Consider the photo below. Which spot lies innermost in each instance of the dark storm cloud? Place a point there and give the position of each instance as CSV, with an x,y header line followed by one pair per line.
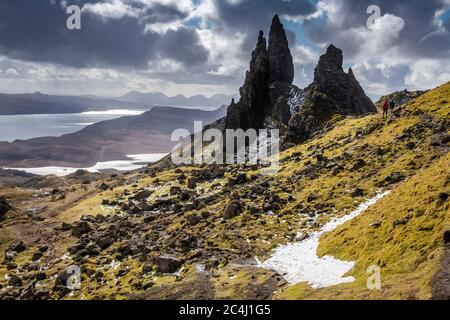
x,y
178,45
36,31
162,13
416,39
250,16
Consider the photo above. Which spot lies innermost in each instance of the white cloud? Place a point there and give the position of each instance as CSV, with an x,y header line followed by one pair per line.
x,y
428,74
115,9
12,72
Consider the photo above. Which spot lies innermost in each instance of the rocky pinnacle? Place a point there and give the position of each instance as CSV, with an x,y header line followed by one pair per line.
x,y
281,62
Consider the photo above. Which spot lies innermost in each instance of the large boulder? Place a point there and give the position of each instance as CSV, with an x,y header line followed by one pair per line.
x,y
167,264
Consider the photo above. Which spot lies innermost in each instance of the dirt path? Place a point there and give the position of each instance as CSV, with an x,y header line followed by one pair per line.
x,y
441,282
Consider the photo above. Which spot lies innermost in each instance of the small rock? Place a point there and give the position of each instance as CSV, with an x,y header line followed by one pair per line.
x,y
66,226
400,222
142,195
232,210
36,256
375,224
147,285
167,264
446,236
175,191
40,276
17,246
394,177
311,197
15,281
80,228
105,242
358,164
4,206
443,197
147,268
358,192
103,186
192,183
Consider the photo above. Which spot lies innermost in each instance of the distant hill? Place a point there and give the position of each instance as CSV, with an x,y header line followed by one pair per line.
x,y
107,140
160,99
38,103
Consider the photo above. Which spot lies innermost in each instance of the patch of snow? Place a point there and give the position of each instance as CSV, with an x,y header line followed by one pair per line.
x,y
299,262
296,99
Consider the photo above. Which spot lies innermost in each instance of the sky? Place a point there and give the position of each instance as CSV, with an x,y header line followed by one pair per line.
x,y
193,47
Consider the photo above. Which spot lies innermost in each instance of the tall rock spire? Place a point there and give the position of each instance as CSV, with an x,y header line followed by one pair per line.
x,y
250,111
264,95
281,62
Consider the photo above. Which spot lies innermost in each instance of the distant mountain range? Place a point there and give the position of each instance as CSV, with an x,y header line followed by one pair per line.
x,y
108,140
160,99
38,103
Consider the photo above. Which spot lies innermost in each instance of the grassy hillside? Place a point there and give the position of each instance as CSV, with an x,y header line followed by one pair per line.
x,y
217,225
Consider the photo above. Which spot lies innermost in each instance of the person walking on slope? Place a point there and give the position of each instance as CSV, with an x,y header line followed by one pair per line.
x,y
392,106
385,109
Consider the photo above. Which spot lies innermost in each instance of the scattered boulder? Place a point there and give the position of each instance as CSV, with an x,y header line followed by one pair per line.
x,y
4,206
142,195
175,191
358,192
192,183
375,224
443,197
394,177
446,236
167,264
15,281
358,164
17,246
311,197
105,242
36,256
232,210
440,139
103,186
400,222
79,228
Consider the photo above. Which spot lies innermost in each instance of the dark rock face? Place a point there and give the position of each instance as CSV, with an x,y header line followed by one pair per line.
x,y
281,63
249,111
264,95
341,87
4,206
333,92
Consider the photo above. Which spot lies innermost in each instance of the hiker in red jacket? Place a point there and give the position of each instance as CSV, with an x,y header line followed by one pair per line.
x,y
385,108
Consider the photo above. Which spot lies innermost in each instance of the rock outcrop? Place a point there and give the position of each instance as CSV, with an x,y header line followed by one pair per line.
x,y
333,92
264,95
270,100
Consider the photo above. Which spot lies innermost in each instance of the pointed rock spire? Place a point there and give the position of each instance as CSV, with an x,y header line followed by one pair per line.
x,y
281,62
332,60
251,109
